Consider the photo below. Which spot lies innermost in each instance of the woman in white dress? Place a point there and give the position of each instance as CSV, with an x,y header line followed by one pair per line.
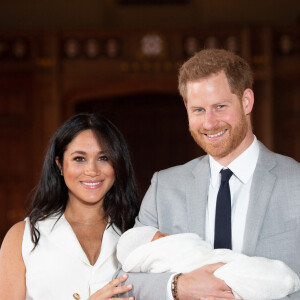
x,y
86,197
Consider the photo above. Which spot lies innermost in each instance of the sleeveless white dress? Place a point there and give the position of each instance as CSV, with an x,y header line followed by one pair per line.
x,y
58,267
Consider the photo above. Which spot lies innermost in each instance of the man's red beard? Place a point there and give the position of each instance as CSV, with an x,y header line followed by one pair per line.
x,y
223,147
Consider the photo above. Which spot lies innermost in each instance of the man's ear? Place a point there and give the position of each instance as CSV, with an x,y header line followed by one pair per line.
x,y
248,101
185,103
59,165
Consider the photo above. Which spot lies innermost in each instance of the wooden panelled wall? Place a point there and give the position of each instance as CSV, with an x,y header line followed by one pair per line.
x,y
47,76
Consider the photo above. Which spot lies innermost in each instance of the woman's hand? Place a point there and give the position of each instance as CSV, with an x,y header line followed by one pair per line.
x,y
111,289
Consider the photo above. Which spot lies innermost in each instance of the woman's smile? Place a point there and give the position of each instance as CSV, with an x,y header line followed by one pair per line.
x,y
92,184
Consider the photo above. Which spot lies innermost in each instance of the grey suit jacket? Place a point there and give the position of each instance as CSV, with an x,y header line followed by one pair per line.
x,y
176,203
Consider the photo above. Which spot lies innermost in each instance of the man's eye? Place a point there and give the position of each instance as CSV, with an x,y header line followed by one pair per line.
x,y
104,158
221,106
79,158
199,110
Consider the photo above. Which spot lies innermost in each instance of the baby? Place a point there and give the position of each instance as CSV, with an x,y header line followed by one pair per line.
x,y
145,249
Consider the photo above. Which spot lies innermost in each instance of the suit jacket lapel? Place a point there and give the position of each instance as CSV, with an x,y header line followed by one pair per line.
x,y
196,195
260,194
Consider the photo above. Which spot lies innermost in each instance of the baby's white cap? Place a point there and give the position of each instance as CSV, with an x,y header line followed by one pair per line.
x,y
133,238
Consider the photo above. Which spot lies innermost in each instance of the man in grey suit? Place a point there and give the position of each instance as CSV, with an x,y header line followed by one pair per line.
x,y
216,87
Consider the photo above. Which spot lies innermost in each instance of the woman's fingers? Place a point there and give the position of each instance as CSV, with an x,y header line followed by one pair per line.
x,y
214,298
112,289
122,289
118,280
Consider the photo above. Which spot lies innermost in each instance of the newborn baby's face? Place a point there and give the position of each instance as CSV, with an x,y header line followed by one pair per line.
x,y
159,235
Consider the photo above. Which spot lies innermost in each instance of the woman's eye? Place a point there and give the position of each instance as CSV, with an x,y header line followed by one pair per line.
x,y
104,158
79,158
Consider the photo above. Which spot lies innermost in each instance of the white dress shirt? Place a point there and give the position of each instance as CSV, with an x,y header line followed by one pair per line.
x,y
240,183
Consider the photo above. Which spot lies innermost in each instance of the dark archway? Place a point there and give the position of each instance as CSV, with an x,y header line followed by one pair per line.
x,y
155,127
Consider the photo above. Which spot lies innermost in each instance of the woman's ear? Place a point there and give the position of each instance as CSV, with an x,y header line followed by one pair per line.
x,y
59,165
248,101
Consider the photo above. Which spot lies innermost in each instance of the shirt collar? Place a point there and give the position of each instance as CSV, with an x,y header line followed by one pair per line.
x,y
242,167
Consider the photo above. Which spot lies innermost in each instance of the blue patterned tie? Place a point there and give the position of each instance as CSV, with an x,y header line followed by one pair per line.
x,y
223,213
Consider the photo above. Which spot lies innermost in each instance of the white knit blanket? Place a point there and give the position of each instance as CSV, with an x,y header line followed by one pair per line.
x,y
253,278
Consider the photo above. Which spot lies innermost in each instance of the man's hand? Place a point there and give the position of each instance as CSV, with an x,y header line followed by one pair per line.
x,y
202,284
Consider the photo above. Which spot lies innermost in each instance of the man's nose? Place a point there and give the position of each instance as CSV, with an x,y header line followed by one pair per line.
x,y
210,120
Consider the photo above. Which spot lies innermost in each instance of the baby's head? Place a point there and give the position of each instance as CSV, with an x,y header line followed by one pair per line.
x,y
135,237
159,235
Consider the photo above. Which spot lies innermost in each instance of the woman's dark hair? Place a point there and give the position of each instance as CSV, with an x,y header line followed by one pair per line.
x,y
51,195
